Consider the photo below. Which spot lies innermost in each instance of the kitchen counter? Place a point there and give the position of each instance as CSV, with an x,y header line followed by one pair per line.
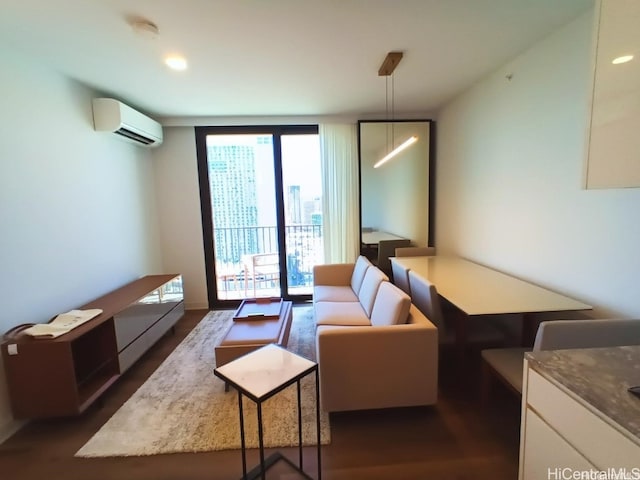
x,y
597,378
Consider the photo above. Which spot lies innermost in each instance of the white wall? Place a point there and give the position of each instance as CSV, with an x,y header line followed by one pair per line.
x,y
509,174
77,207
177,191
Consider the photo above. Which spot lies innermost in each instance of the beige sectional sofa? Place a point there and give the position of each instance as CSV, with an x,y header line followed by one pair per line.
x,y
375,349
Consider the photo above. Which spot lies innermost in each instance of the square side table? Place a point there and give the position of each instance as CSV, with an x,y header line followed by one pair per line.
x,y
259,375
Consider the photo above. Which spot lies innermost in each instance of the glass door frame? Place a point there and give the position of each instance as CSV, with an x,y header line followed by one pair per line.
x,y
276,131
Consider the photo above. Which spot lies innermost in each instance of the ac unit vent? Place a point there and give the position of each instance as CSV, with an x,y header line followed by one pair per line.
x,y
134,136
110,115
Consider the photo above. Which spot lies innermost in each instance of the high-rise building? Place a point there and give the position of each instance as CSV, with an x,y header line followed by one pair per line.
x,y
294,206
242,196
233,200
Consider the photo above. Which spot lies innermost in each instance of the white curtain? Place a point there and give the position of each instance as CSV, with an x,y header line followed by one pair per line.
x,y
340,196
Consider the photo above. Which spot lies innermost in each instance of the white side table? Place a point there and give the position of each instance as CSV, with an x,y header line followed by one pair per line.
x,y
259,375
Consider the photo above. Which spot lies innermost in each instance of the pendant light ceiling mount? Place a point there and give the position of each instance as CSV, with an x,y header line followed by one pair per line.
x,y
390,63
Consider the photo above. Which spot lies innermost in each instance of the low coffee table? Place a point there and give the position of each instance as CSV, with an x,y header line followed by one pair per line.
x,y
257,322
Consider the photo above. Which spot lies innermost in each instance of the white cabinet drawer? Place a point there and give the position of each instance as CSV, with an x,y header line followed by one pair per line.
x,y
592,437
546,453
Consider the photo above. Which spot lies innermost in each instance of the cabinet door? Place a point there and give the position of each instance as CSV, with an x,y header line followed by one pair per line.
x,y
547,454
598,440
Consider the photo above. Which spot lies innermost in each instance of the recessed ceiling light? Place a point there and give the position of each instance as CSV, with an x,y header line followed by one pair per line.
x,y
176,62
622,59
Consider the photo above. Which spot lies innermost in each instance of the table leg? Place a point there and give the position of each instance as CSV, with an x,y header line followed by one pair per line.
x,y
299,426
246,280
261,442
242,441
529,328
318,424
460,326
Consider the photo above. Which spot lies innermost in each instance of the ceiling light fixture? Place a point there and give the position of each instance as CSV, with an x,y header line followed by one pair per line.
x,y
622,59
176,62
144,27
409,141
387,68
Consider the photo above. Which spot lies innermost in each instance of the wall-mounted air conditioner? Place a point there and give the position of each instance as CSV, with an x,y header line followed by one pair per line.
x,y
110,115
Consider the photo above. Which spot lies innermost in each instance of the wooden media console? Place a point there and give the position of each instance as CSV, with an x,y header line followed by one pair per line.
x,y
63,376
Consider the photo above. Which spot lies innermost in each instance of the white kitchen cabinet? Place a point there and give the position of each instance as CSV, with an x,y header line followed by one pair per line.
x,y
562,433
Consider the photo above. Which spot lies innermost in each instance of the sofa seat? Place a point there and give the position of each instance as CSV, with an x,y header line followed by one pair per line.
x,y
341,313
334,293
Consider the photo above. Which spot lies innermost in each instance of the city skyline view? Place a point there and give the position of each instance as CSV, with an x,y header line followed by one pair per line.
x,y
242,185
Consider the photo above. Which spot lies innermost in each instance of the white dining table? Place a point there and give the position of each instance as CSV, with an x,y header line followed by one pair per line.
x,y
373,238
477,290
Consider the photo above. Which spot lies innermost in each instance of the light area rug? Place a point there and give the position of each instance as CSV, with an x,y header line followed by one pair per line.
x,y
182,407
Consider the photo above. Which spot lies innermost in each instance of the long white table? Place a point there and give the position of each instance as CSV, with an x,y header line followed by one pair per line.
x,y
478,290
373,238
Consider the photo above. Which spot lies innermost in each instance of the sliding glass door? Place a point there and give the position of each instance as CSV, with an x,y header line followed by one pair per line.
x,y
260,197
302,194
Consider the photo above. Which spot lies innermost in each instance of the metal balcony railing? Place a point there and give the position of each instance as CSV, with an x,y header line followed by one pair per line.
x,y
235,247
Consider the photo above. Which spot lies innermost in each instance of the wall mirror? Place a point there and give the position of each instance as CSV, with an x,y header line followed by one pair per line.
x,y
614,144
396,197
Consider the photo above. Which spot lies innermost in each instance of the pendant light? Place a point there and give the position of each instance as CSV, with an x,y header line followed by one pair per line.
x,y
387,68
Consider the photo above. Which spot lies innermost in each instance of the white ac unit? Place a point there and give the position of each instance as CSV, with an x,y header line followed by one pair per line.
x,y
110,115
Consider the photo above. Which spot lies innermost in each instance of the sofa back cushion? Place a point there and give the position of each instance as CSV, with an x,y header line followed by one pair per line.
x,y
391,306
367,294
360,268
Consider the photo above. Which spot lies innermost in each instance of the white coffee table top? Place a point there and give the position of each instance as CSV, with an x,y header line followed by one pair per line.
x,y
265,370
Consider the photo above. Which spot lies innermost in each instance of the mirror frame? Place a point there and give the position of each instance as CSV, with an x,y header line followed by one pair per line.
x,y
612,159
431,126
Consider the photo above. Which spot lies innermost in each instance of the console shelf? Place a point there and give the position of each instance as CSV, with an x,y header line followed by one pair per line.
x,y
63,376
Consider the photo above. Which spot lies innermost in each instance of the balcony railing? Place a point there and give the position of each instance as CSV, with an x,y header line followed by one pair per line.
x,y
236,247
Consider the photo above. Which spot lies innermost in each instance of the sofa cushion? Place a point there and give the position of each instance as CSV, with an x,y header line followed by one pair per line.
x,y
340,313
359,270
367,294
391,306
333,293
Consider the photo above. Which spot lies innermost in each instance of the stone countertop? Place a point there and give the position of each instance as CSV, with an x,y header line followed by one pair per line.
x,y
598,378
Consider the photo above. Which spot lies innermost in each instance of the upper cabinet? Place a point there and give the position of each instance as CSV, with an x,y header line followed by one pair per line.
x,y
613,159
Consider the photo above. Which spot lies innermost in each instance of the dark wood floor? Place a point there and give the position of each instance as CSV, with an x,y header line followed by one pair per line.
x,y
456,439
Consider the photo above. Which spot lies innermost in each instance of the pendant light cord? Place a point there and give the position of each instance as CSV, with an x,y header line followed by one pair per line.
x,y
390,118
393,112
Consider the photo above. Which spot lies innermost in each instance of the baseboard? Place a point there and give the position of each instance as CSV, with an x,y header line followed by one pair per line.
x,y
9,428
196,306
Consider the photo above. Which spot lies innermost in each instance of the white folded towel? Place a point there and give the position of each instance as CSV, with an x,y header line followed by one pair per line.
x,y
63,323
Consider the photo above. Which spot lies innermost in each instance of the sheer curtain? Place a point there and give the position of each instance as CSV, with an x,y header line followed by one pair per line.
x,y
340,213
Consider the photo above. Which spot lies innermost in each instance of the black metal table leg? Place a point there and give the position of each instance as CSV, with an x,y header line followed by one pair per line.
x,y
261,442
242,443
299,427
318,442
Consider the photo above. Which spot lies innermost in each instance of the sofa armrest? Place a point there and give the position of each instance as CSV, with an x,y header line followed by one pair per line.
x,y
338,274
378,367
